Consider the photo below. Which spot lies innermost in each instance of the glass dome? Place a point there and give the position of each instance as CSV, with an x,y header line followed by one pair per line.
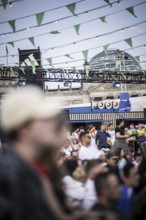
x,y
102,62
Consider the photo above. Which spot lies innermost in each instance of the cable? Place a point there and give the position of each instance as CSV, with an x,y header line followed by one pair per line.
x,y
64,18
70,26
53,9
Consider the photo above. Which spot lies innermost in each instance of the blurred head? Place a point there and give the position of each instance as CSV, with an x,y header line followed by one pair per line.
x,y
85,138
120,123
140,126
66,143
111,159
110,127
107,186
138,157
74,154
75,141
102,128
132,125
82,129
130,175
27,117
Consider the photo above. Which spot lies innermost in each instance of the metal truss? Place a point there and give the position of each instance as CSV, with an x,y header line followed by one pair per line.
x,y
62,75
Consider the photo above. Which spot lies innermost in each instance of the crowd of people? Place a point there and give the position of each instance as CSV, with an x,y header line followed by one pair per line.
x,y
49,172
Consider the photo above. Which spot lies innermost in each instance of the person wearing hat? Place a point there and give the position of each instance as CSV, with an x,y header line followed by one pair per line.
x,y
30,124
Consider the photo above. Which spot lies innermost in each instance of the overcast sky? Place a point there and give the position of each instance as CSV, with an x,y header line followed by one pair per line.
x,y
90,29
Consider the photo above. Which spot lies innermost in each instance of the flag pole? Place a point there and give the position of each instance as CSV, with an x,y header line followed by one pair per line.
x,y
7,61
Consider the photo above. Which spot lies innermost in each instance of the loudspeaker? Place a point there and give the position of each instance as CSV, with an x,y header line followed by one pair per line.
x,y
144,112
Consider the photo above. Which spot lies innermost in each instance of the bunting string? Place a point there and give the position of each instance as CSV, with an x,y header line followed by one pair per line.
x,y
102,18
86,39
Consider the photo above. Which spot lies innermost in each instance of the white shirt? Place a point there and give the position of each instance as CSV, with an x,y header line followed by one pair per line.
x,y
73,188
89,153
90,196
112,136
67,151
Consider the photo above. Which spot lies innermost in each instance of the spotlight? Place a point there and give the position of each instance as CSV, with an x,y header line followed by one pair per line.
x,y
21,82
122,30
28,28
86,12
11,4
116,84
3,35
97,38
67,84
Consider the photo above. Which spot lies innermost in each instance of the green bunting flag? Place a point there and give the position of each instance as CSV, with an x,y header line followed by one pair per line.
x,y
72,8
137,58
4,3
49,61
33,66
129,42
54,32
67,55
103,19
131,10
12,24
22,69
77,28
87,70
123,75
32,40
105,48
1,66
39,18
118,63
108,1
85,54
11,43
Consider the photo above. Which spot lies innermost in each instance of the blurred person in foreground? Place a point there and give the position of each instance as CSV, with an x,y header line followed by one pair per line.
x,y
92,168
30,123
108,191
130,178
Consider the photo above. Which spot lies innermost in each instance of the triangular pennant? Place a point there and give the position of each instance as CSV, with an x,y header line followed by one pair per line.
x,y
72,8
85,54
67,55
39,18
1,66
118,63
11,43
4,3
131,10
49,61
32,40
129,42
77,28
108,1
137,58
105,48
123,75
22,69
33,66
103,19
12,24
54,32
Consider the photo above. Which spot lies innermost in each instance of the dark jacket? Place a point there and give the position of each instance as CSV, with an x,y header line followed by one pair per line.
x,y
21,194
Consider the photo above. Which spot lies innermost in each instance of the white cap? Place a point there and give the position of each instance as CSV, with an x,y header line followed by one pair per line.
x,y
26,104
